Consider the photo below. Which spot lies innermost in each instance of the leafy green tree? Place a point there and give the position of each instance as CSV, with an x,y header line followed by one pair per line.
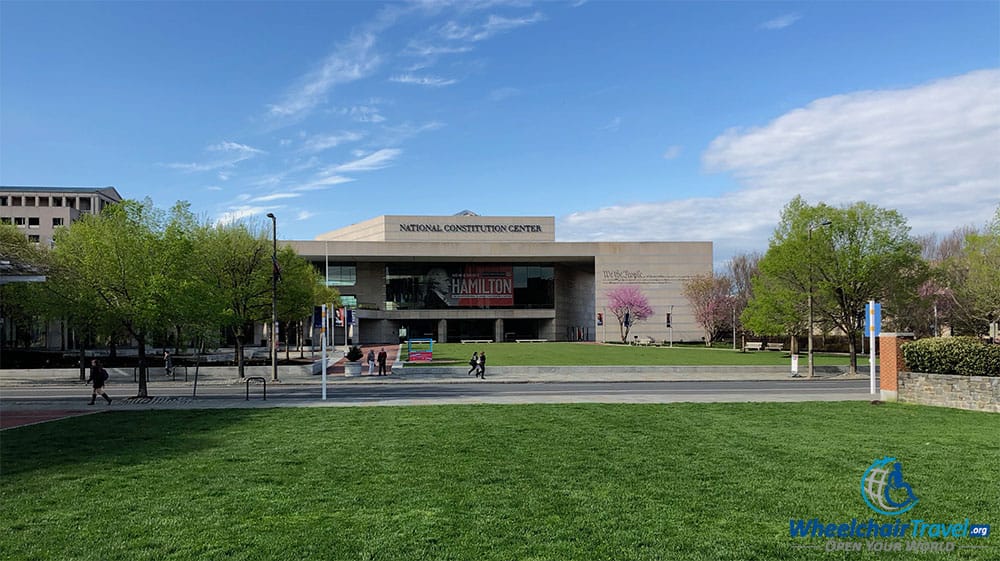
x,y
234,262
983,281
844,257
300,289
114,263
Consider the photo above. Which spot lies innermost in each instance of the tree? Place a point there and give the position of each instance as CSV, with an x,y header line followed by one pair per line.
x,y
115,264
711,302
742,269
630,306
844,257
983,282
300,289
235,264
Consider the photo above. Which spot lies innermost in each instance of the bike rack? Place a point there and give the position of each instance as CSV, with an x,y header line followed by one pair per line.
x,y
261,379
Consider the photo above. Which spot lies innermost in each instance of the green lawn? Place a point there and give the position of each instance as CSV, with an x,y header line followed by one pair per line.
x,y
576,354
481,482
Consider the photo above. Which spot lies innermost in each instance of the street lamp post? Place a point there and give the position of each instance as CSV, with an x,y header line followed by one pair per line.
x,y
810,297
274,296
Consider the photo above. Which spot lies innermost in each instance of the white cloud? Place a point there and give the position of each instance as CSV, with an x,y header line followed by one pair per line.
x,y
275,197
232,154
304,215
780,22
322,182
493,25
354,60
419,49
613,125
433,81
320,143
376,160
672,152
501,94
213,188
929,151
239,213
393,136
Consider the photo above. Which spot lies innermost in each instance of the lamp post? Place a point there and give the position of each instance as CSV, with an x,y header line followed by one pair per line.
x,y
810,296
274,296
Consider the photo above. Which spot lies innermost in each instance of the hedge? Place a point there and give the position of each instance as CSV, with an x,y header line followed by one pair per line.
x,y
963,356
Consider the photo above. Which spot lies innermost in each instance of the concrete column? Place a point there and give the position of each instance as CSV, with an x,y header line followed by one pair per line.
x,y
891,363
442,336
498,330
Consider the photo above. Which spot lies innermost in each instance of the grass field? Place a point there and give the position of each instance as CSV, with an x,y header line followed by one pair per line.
x,y
576,354
481,482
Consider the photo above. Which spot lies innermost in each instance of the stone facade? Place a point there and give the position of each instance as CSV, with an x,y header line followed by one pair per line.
x,y
979,393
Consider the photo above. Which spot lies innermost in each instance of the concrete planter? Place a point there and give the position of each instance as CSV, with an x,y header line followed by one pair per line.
x,y
352,369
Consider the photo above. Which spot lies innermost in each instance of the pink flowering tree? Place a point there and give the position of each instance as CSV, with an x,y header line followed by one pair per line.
x,y
630,306
712,303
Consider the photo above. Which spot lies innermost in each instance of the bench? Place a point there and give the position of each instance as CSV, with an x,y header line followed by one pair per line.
x,y
464,341
531,340
753,346
645,341
775,346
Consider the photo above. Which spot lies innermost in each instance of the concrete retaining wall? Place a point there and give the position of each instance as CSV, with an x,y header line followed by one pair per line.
x,y
979,393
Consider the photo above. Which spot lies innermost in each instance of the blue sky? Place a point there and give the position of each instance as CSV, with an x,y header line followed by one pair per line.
x,y
625,121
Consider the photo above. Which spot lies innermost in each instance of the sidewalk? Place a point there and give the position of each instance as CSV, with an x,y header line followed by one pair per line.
x,y
400,374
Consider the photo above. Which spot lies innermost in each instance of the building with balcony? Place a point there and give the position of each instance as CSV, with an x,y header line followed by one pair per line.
x,y
38,211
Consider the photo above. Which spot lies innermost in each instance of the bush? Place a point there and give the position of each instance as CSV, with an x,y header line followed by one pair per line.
x,y
354,354
963,356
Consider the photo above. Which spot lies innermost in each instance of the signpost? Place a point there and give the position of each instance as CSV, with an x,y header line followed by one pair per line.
x,y
322,334
873,326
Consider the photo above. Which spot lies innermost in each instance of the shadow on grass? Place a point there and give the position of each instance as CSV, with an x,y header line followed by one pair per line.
x,y
121,438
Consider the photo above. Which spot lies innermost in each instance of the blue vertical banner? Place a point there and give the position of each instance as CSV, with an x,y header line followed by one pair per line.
x,y
869,315
317,316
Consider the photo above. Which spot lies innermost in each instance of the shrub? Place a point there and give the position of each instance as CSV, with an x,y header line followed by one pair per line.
x,y
354,354
964,356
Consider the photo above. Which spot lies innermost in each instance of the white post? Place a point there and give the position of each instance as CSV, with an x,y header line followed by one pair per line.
x,y
323,362
871,337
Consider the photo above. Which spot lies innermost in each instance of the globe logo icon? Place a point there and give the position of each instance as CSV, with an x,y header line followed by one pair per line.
x,y
884,490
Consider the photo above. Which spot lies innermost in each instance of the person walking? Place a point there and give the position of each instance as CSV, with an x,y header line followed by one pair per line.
x,y
382,358
482,366
168,363
474,364
98,376
371,361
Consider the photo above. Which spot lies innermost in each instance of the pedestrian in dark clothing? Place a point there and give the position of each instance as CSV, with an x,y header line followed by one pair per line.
x,y
382,358
474,364
168,363
482,366
371,361
98,376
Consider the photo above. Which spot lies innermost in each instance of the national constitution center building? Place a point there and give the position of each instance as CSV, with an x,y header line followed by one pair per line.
x,y
499,278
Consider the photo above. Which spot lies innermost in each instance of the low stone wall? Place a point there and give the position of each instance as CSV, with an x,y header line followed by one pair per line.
x,y
979,393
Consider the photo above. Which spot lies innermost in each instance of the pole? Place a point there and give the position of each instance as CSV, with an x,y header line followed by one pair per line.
x,y
671,326
734,328
322,334
274,296
871,339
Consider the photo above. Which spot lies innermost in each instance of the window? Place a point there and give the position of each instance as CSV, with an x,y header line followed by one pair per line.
x,y
33,222
29,201
3,201
71,202
341,275
33,238
4,220
19,221
15,201
57,201
43,201
58,221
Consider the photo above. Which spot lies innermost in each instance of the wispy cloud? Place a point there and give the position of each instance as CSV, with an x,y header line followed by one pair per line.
x,y
396,135
322,181
274,197
420,49
501,94
376,160
672,152
354,60
238,213
232,153
323,142
454,31
360,113
928,151
304,215
432,81
780,22
614,125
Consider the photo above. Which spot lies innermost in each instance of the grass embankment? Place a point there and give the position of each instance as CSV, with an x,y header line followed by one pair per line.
x,y
681,481
591,354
